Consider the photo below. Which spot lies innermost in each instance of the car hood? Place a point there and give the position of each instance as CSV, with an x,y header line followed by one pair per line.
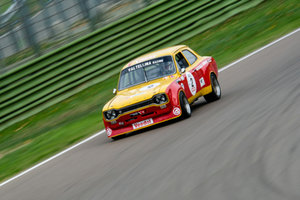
x,y
139,93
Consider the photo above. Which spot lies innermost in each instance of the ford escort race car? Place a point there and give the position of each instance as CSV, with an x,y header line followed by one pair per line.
x,y
160,86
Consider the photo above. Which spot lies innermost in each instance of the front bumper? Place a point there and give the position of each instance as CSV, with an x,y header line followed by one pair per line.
x,y
141,118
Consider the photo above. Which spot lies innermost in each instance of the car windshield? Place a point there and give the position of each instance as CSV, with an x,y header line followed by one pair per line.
x,y
146,71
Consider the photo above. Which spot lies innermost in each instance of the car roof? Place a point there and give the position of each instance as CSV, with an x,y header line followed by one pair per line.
x,y
154,54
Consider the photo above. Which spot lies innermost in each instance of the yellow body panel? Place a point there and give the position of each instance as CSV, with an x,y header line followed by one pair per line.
x,y
202,92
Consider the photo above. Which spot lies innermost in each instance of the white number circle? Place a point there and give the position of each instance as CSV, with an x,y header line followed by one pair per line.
x,y
191,82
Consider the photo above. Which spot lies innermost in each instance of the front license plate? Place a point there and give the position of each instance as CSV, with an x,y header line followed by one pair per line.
x,y
142,123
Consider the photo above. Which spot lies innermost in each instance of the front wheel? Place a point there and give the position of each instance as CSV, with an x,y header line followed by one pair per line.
x,y
185,106
216,90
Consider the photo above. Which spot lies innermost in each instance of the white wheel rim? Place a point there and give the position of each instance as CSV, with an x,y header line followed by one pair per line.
x,y
187,106
216,87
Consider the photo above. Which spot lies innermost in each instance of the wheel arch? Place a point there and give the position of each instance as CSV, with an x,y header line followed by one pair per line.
x,y
214,74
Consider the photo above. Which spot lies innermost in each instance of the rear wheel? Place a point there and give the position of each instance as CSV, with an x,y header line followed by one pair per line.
x,y
216,90
185,106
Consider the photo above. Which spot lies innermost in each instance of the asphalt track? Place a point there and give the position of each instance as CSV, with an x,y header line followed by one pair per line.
x,y
244,146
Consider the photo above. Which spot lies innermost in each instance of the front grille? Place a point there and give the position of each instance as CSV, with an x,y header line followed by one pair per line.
x,y
136,106
150,113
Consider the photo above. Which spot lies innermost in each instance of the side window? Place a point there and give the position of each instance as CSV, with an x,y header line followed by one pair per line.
x,y
180,60
189,56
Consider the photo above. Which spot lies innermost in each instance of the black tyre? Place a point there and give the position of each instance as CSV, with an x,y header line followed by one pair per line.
x,y
216,90
185,106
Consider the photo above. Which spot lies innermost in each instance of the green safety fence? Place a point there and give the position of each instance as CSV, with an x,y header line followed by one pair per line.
x,y
99,55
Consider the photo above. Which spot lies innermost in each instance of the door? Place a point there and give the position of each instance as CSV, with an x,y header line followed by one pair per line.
x,y
188,78
193,60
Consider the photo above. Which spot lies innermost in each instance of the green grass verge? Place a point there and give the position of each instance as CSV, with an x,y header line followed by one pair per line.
x,y
4,5
36,138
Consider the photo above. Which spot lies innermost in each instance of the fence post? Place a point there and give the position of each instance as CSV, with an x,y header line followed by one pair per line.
x,y
86,13
47,18
29,33
61,12
2,63
14,38
147,2
1,54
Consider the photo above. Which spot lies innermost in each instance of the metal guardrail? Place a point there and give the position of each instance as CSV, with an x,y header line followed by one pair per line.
x,y
97,56
31,28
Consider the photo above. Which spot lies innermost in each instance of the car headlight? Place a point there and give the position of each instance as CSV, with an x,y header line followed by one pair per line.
x,y
110,114
160,98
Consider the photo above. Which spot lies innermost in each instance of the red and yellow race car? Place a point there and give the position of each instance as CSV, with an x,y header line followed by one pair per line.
x,y
160,86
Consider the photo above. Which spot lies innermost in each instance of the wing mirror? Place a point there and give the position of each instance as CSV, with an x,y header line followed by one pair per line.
x,y
114,91
182,70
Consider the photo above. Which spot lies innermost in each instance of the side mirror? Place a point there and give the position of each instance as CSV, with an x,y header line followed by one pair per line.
x,y
115,91
182,70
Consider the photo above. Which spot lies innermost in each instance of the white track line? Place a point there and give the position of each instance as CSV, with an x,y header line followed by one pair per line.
x,y
51,158
103,131
258,50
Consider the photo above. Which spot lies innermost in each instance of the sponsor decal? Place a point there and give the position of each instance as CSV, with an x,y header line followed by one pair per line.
x,y
157,61
142,123
149,86
191,82
143,63
202,82
137,94
141,112
176,111
203,63
108,132
199,66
